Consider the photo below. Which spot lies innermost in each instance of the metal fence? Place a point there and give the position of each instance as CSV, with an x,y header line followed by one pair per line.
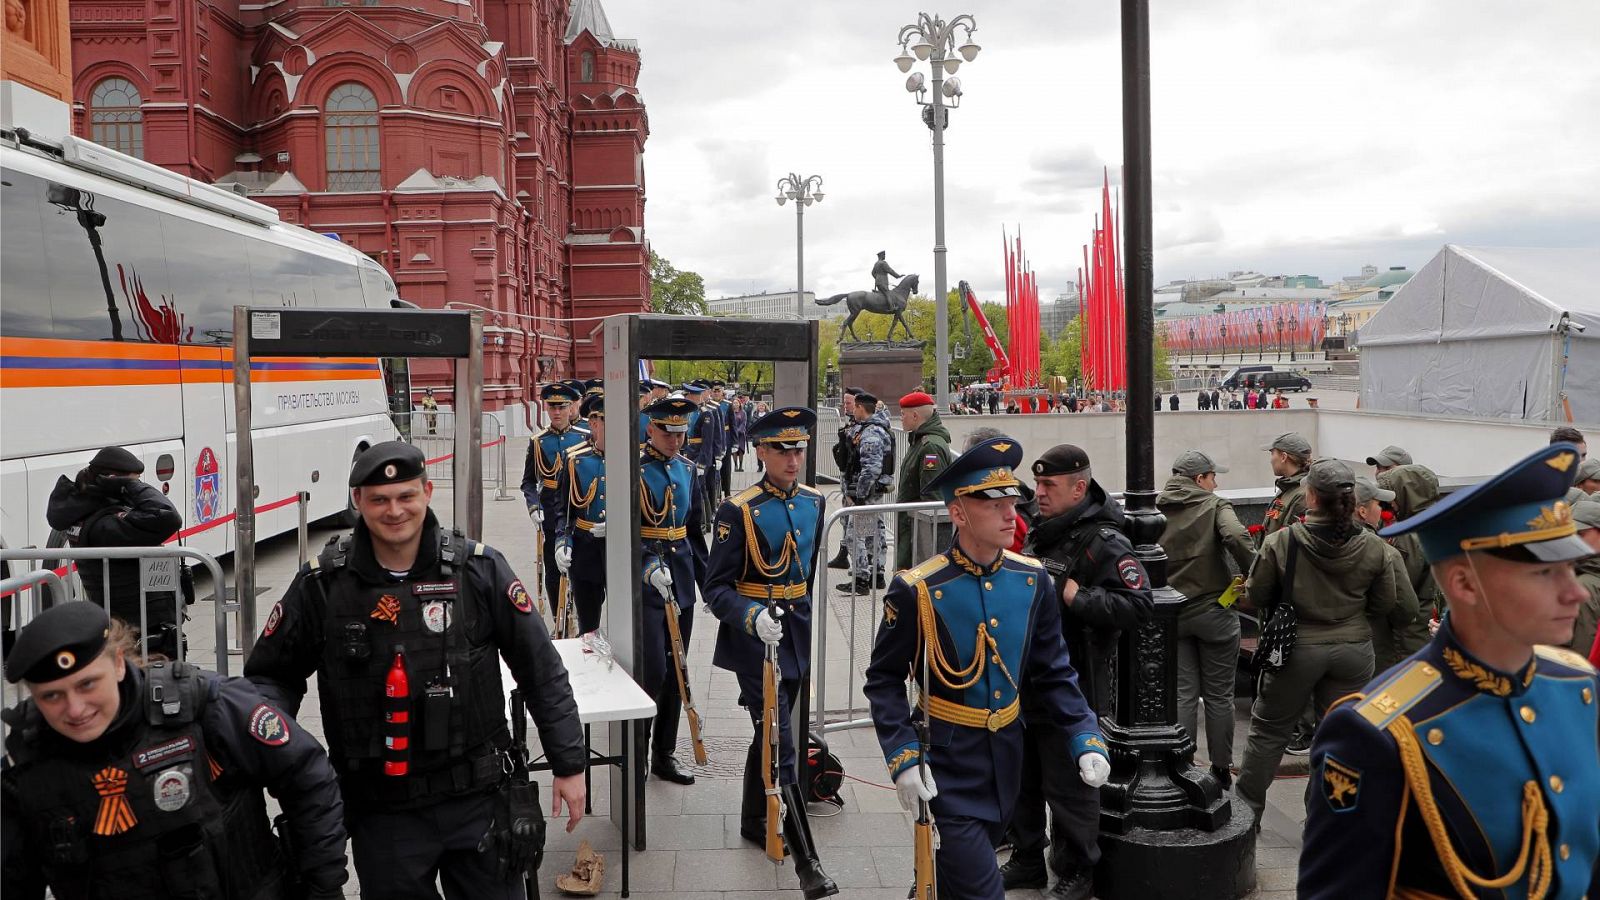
x,y
159,573
858,614
434,432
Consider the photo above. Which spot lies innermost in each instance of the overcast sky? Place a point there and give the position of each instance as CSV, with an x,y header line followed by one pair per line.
x,y
1289,137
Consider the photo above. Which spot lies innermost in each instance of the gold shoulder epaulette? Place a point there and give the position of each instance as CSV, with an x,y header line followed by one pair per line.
x,y
579,450
1398,693
1566,657
924,569
810,490
745,496
1024,558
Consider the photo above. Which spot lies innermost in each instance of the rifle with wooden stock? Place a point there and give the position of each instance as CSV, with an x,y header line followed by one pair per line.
x,y
925,837
770,751
680,668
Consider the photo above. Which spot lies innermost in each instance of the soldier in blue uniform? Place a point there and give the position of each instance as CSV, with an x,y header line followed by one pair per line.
x,y
579,516
669,511
540,469
1469,769
764,547
719,395
988,621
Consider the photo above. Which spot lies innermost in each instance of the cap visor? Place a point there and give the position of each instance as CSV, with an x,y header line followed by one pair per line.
x,y
789,445
1220,470
997,493
1561,549
1383,496
1373,461
674,429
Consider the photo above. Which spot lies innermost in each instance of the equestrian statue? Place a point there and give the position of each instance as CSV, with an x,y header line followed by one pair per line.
x,y
881,299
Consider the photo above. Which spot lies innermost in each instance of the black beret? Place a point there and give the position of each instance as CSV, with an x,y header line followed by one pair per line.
x,y
116,459
854,391
59,641
1062,459
864,397
390,462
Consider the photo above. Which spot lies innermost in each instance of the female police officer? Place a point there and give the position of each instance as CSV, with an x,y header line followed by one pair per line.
x,y
131,783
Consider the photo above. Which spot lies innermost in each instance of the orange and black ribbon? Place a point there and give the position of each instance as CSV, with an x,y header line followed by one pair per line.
x,y
116,813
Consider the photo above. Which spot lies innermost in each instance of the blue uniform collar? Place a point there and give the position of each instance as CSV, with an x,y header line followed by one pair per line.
x,y
778,492
651,451
975,568
1476,674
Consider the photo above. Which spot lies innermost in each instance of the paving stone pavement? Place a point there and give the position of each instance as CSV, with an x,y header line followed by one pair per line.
x,y
695,851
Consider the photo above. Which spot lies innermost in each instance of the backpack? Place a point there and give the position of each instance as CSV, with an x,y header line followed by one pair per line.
x,y
1278,631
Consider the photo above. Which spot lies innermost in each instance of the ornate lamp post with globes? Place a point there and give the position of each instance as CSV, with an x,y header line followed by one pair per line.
x,y
931,39
804,190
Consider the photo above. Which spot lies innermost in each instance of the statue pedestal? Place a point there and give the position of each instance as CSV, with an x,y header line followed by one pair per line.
x,y
885,370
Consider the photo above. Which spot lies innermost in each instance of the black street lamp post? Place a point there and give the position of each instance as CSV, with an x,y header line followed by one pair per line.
x,y
1167,829
1224,341
1280,339
1261,328
1294,323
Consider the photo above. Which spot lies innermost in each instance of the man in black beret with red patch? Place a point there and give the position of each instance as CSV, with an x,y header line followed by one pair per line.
x,y
404,624
1103,589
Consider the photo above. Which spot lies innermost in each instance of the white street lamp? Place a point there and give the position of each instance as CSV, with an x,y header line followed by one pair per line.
x,y
804,190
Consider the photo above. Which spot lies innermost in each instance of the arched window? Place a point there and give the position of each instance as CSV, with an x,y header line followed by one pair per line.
x,y
114,116
352,134
586,67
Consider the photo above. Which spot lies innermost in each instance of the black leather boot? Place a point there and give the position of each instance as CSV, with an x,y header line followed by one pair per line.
x,y
1024,870
841,560
814,883
752,805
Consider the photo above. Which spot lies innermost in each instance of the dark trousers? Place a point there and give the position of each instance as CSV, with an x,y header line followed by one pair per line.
x,y
750,699
1050,779
727,474
658,680
965,861
400,855
552,572
590,596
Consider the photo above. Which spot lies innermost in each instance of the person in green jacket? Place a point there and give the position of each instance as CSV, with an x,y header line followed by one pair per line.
x,y
1402,632
1291,454
927,454
1415,488
1343,575
1586,513
1202,532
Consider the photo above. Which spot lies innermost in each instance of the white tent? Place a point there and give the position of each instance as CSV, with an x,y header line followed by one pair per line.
x,y
1504,332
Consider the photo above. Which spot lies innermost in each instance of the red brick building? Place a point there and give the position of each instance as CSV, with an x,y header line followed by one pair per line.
x,y
487,152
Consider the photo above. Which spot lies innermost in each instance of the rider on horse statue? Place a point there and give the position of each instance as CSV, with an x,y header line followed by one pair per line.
x,y
881,270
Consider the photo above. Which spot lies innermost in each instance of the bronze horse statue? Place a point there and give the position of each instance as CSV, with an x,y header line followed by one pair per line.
x,y
872,301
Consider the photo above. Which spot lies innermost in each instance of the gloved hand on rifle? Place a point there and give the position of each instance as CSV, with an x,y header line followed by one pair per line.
x,y
564,555
536,513
914,787
660,578
769,629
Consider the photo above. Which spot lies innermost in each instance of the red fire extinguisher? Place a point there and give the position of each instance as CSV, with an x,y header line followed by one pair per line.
x,y
397,716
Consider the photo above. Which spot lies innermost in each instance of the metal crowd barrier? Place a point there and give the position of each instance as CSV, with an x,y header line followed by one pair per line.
x,y
434,433
829,421
158,573
864,516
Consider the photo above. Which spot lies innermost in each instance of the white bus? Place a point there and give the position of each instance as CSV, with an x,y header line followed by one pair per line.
x,y
117,285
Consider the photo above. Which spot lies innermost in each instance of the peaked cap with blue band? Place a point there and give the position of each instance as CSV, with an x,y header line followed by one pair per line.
x,y
1520,509
671,413
986,470
788,427
559,392
593,405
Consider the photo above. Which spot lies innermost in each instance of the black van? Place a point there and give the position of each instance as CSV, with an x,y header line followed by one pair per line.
x,y
1236,378
1282,381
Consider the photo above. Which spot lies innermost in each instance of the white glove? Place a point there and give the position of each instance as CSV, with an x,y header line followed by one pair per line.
x,y
1094,769
914,787
563,556
598,531
768,628
660,578
537,515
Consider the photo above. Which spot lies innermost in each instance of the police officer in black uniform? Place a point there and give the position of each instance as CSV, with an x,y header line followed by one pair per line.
x,y
107,505
1103,589
403,596
131,782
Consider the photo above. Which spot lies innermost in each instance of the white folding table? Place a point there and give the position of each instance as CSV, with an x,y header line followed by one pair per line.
x,y
605,692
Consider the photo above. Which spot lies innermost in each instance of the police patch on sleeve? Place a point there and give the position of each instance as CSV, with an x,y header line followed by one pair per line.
x,y
1341,785
520,597
274,619
1131,572
268,726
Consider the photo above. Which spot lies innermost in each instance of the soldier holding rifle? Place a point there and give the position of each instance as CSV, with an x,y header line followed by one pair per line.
x,y
545,454
978,628
763,555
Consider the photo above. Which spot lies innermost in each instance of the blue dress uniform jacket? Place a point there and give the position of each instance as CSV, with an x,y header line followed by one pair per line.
x,y
999,635
579,505
543,465
670,510
1444,745
765,539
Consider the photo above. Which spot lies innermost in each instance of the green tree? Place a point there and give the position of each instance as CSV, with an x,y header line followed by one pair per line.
x,y
674,292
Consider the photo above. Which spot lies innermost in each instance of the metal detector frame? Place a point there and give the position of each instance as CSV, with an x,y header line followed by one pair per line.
x,y
791,346
289,331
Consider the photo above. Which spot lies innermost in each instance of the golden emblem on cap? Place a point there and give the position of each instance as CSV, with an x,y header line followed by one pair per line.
x,y
1003,446
995,478
1561,461
1553,516
65,659
791,413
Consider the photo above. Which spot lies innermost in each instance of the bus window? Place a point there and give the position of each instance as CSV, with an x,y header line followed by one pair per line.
x,y
338,285
279,276
26,310
376,285
108,270
211,274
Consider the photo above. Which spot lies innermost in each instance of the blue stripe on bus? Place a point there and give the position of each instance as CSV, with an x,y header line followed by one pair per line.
x,y
79,362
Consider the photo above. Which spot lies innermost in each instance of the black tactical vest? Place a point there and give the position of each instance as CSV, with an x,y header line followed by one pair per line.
x,y
161,819
456,701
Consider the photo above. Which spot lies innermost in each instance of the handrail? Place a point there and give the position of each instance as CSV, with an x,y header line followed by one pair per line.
x,y
819,603
247,635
